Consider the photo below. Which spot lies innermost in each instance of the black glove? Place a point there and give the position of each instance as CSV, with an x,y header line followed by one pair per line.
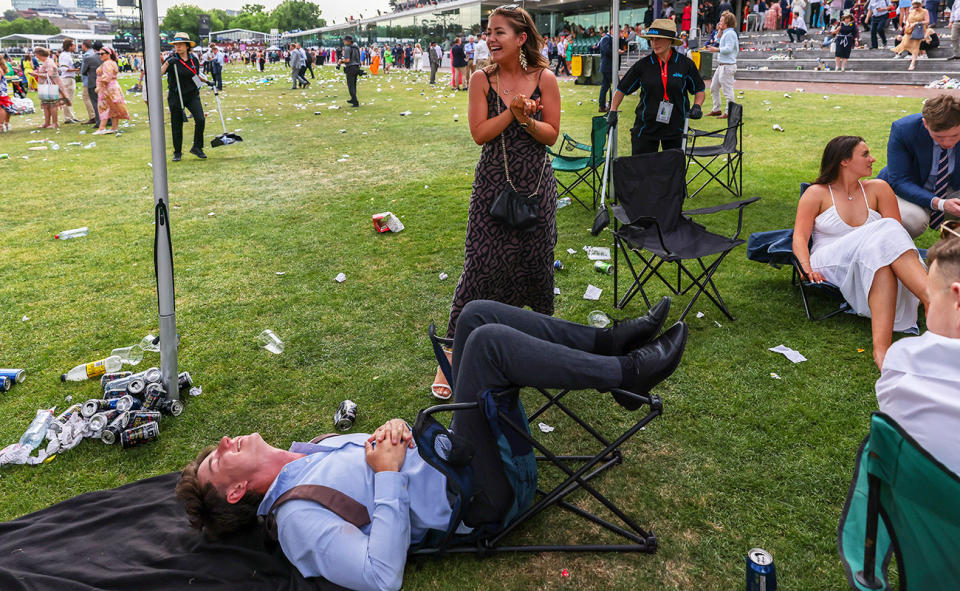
x,y
696,112
211,83
612,118
172,58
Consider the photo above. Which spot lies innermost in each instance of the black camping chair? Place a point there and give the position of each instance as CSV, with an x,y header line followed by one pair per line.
x,y
651,223
730,153
577,473
585,168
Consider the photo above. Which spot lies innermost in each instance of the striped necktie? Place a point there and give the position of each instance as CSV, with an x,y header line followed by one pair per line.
x,y
942,186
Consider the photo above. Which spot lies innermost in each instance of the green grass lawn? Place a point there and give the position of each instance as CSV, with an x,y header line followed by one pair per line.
x,y
738,459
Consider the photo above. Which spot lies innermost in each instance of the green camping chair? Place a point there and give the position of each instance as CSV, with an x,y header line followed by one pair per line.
x,y
902,501
586,168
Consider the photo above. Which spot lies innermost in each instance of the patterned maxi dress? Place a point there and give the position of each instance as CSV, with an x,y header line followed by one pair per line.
x,y
110,101
500,263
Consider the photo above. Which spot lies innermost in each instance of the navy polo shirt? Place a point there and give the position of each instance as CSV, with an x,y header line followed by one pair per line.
x,y
683,79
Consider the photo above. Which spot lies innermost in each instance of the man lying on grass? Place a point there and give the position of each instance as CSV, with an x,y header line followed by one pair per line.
x,y
496,346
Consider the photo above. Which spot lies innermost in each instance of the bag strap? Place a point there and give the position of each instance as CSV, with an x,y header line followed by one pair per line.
x,y
340,504
503,145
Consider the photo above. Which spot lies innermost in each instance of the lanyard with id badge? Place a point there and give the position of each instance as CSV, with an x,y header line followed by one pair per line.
x,y
196,78
666,107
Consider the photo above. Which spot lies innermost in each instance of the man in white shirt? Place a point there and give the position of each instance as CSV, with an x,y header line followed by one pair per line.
x,y
919,385
955,30
68,72
481,53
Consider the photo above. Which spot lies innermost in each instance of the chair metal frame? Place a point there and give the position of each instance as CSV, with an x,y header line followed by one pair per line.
x,y
703,280
589,174
635,538
731,147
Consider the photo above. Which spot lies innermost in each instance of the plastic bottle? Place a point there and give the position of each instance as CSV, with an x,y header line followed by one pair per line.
x,y
37,430
561,203
94,369
75,233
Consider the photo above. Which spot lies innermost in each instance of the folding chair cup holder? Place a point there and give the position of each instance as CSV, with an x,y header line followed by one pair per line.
x,y
578,473
586,169
651,224
729,152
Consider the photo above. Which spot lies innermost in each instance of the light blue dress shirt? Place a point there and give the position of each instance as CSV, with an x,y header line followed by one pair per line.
x,y
402,505
729,47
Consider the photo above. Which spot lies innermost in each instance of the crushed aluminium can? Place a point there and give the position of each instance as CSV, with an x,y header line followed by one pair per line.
x,y
99,421
558,265
153,395
603,267
761,573
93,406
109,377
170,407
111,433
346,415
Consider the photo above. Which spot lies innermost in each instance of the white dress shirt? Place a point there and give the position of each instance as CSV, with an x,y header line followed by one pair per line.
x,y
919,387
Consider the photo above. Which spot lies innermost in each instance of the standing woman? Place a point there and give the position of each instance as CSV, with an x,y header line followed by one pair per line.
x,y
183,80
846,34
110,101
664,78
6,104
728,48
418,57
514,109
47,73
914,31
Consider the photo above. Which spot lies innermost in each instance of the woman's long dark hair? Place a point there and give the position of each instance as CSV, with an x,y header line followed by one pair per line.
x,y
521,22
838,149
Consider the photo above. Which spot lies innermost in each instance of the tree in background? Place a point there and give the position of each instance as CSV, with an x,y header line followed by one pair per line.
x,y
254,17
297,14
33,26
10,15
186,18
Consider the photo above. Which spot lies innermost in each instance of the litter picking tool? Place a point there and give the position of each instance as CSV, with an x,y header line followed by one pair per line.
x,y
183,109
603,216
226,138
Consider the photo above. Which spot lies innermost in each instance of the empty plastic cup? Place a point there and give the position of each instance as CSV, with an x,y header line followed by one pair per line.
x,y
598,319
270,341
129,355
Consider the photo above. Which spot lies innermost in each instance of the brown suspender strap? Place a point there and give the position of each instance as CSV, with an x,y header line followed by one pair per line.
x,y
333,500
320,438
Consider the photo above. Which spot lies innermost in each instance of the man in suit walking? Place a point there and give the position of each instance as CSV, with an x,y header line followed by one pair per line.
x,y
435,57
923,164
296,63
216,66
88,73
350,60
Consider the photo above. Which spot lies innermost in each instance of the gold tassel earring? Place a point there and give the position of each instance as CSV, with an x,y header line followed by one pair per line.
x,y
523,59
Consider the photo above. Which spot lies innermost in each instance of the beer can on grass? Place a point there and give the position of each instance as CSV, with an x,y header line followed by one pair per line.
x,y
109,377
761,573
184,382
135,387
558,265
135,418
5,383
153,395
111,433
143,434
99,421
92,407
65,416
16,375
170,407
346,415
124,403
603,267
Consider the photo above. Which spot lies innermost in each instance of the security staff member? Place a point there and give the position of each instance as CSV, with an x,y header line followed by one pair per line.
x,y
184,78
350,60
665,78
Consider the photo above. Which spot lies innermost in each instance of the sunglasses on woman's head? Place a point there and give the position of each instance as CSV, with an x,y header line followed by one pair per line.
x,y
950,228
506,7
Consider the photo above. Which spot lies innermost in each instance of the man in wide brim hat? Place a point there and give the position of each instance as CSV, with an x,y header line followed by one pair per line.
x,y
183,38
663,28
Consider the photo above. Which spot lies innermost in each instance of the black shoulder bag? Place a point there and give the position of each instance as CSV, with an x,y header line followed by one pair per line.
x,y
510,207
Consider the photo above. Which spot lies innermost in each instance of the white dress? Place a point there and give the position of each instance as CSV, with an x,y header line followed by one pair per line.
x,y
849,256
418,59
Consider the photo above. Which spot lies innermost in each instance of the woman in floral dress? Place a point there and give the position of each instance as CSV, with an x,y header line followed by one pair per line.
x,y
110,101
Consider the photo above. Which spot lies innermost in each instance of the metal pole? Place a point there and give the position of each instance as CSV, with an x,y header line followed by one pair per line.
x,y
163,253
692,38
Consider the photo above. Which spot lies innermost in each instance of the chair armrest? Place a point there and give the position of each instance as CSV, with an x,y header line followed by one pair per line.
x,y
700,133
725,207
575,144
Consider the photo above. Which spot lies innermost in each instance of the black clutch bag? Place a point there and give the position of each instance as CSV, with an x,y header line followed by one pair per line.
x,y
515,210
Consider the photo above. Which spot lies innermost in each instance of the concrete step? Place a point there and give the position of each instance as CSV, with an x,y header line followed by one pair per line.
x,y
932,67
854,77
939,52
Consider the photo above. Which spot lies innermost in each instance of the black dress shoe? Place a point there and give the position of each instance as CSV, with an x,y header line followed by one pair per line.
x,y
649,365
198,153
177,156
630,334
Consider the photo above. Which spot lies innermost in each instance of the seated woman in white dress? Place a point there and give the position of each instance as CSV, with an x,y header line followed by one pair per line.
x,y
858,242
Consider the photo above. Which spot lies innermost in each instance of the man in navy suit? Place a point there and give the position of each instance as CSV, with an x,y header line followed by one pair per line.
x,y
923,164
